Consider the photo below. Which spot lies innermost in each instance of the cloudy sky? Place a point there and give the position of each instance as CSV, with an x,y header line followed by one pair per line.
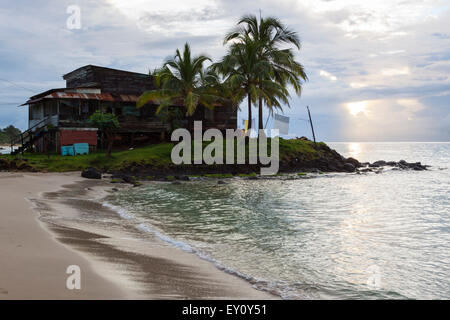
x,y
378,70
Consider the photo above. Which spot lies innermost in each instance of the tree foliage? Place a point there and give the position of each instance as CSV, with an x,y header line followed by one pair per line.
x,y
108,124
268,36
181,79
8,133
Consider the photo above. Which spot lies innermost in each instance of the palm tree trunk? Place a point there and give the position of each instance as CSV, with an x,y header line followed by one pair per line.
x,y
260,116
249,112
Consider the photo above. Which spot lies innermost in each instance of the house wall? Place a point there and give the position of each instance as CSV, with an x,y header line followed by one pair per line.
x,y
78,135
221,117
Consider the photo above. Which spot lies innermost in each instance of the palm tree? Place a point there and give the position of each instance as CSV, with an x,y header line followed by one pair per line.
x,y
270,33
181,78
239,69
243,72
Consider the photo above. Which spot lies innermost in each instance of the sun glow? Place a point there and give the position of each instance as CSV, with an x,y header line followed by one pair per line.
x,y
356,107
354,150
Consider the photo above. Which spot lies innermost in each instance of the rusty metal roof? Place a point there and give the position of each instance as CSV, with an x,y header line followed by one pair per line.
x,y
85,96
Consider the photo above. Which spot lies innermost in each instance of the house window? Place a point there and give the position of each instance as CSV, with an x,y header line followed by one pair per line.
x,y
35,112
131,111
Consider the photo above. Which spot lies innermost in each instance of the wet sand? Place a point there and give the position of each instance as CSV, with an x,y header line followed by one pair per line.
x,y
62,223
32,264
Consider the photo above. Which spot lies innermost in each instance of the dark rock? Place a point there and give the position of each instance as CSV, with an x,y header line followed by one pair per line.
x,y
252,178
176,182
379,163
349,167
402,164
115,189
221,182
184,178
336,155
129,179
354,162
332,167
4,164
91,173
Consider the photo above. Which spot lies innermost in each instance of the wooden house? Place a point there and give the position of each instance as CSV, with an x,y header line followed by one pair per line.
x,y
60,117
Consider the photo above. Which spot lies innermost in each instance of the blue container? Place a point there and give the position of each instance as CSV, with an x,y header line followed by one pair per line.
x,y
81,148
67,151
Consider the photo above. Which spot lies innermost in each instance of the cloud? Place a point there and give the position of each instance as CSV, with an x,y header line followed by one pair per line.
x,y
395,71
327,75
392,54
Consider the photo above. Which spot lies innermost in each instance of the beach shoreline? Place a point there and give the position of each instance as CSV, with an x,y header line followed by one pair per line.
x,y
62,223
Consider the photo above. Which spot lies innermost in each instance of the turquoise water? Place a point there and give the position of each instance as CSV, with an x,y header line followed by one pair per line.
x,y
338,236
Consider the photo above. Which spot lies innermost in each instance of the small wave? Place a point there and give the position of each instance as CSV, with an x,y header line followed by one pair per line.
x,y
179,244
258,284
122,212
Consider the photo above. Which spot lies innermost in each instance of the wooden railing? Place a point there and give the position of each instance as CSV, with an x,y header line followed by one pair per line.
x,y
26,136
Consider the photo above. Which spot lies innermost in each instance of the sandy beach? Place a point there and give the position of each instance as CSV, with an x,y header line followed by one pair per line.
x,y
49,222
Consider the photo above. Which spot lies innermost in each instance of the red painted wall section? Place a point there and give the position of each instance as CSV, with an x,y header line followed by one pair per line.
x,y
69,137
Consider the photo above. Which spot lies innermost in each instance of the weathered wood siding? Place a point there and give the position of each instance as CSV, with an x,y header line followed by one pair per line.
x,y
110,80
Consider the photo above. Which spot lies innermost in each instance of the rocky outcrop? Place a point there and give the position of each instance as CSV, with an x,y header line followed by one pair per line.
x,y
4,164
377,166
16,165
349,167
91,173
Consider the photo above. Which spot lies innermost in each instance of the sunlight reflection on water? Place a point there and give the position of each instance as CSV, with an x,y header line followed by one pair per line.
x,y
320,237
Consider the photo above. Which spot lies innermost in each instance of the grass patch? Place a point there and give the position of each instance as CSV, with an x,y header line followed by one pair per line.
x,y
219,175
245,175
157,156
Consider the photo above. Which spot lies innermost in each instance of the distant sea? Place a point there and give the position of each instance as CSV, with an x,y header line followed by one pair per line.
x,y
336,236
5,149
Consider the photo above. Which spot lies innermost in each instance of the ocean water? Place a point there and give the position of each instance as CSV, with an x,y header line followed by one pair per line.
x,y
6,149
332,236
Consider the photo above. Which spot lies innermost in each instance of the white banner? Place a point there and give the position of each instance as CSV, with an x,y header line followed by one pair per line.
x,y
281,123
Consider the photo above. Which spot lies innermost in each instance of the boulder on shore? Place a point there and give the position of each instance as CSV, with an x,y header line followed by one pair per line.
x,y
349,167
4,164
129,179
354,162
402,164
91,173
379,163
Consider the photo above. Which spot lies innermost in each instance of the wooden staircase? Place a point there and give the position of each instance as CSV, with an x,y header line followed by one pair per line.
x,y
27,138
